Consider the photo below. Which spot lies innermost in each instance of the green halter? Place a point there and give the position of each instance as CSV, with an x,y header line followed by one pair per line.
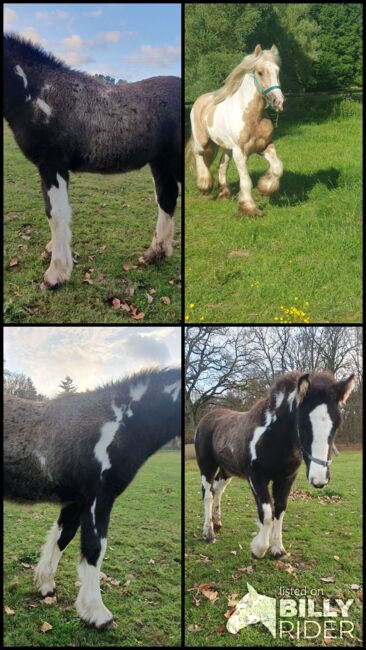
x,y
264,93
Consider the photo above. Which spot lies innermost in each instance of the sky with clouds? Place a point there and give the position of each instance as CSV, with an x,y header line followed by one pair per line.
x,y
90,355
125,41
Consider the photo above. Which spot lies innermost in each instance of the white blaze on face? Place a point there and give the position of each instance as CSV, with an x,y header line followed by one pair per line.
x,y
276,96
107,433
322,426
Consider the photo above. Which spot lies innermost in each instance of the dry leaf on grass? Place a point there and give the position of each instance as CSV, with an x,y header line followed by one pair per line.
x,y
9,611
128,267
14,261
46,627
328,579
165,300
194,628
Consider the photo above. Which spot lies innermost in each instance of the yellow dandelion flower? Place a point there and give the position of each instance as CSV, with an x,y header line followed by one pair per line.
x,y
191,305
187,317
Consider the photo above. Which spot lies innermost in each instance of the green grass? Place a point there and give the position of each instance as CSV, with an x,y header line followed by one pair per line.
x,y
312,533
306,251
114,218
144,526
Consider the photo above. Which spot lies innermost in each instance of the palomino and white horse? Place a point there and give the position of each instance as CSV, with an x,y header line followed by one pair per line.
x,y
83,450
64,120
232,118
299,417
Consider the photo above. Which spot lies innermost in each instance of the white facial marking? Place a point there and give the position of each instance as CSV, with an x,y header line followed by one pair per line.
x,y
322,426
107,433
260,542
44,107
89,602
20,72
137,391
279,399
258,431
173,390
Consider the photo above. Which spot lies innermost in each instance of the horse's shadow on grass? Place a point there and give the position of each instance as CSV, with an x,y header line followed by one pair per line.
x,y
295,188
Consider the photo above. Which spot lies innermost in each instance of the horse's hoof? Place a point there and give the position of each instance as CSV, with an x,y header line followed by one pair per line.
x,y
154,255
224,193
249,210
217,527
280,553
106,625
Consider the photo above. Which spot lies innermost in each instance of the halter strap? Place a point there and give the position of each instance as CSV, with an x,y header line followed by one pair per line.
x,y
324,463
263,91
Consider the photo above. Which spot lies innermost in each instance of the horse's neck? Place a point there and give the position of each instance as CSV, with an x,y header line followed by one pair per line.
x,y
247,92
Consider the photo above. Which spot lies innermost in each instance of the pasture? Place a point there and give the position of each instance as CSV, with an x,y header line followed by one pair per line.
x,y
114,217
302,261
142,567
322,534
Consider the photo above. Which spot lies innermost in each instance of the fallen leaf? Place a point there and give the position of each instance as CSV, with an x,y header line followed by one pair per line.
x,y
230,612
336,557
329,579
91,258
149,298
26,237
355,587
194,628
166,300
50,600
9,611
116,303
232,552
221,629
125,306
204,558
233,600
23,248
152,292
151,561
26,566
103,248
45,627
128,267
139,316
14,261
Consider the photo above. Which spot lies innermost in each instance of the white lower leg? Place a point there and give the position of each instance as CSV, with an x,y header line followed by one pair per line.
x,y
204,176
224,162
260,542
208,530
60,268
218,487
89,602
47,565
276,536
245,194
270,182
162,242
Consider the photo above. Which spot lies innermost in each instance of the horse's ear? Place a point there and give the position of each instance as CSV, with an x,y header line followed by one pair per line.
x,y
274,50
344,389
258,50
303,386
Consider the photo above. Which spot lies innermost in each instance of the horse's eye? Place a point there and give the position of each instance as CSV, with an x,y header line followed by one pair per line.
x,y
260,73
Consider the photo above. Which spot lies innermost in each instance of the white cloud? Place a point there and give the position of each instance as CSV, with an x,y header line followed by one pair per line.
x,y
90,355
75,41
112,37
32,34
51,17
9,16
156,57
96,13
75,58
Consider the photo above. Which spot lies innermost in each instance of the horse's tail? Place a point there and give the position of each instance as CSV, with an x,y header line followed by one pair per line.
x,y
189,154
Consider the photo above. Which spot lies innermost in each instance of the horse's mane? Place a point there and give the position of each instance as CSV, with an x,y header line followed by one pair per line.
x,y
234,79
287,382
18,46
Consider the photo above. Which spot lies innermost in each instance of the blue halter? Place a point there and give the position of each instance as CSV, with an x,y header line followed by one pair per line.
x,y
264,92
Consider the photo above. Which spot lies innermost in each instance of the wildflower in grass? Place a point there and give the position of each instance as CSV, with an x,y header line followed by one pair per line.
x,y
186,317
293,314
202,318
191,305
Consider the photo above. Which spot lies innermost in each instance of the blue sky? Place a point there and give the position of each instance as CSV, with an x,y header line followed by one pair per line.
x,y
125,41
90,355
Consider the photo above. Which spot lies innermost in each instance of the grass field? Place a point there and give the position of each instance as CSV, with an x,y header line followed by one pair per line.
x,y
318,525
305,254
114,218
143,554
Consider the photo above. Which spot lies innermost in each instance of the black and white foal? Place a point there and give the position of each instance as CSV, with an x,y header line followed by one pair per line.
x,y
64,120
299,417
83,450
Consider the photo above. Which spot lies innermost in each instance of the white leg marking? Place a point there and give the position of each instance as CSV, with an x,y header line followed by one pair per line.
x,y
162,241
208,531
89,602
219,488
260,542
60,268
224,162
245,195
270,182
276,536
47,565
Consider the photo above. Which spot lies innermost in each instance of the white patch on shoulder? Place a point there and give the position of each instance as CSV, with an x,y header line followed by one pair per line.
x,y
258,431
137,391
44,106
173,390
107,433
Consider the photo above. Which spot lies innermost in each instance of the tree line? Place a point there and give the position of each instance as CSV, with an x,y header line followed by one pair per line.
x,y
235,366
320,43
